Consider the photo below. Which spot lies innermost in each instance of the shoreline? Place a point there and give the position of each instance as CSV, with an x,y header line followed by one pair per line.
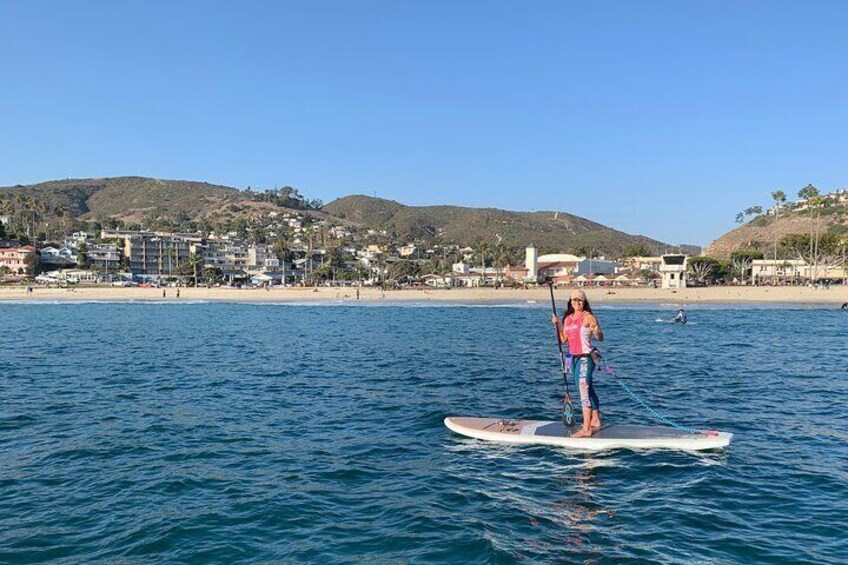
x,y
791,295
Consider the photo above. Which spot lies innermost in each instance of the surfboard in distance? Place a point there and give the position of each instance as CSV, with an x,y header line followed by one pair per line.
x,y
618,436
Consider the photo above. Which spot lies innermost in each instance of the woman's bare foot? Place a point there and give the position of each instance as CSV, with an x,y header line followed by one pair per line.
x,y
596,420
582,432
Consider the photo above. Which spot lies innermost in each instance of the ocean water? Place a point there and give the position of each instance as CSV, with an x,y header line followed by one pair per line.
x,y
220,433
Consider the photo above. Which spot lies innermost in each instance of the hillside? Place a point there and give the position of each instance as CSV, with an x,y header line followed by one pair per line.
x,y
762,232
469,226
127,198
177,204
142,202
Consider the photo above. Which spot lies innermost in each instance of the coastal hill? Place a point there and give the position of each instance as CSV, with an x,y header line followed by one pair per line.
x,y
469,226
171,204
763,231
130,199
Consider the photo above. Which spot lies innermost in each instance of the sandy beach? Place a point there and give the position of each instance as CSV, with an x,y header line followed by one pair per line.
x,y
836,295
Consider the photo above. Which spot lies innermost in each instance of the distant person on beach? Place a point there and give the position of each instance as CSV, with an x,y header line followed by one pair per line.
x,y
163,293
178,293
681,317
576,330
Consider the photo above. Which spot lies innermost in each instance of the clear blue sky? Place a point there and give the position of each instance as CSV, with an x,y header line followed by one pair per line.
x,y
659,118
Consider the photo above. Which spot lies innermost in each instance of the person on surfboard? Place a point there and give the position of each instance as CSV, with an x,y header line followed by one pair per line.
x,y
681,317
576,330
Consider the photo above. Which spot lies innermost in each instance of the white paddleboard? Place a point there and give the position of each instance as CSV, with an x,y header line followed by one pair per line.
x,y
618,436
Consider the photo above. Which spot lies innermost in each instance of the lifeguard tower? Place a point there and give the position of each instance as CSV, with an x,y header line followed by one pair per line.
x,y
673,271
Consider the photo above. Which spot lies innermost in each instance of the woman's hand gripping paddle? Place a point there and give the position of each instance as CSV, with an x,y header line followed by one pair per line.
x,y
567,407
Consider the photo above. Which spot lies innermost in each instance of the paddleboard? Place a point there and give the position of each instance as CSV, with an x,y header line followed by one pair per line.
x,y
618,436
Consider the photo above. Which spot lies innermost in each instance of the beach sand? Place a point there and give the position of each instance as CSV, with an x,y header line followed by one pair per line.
x,y
836,295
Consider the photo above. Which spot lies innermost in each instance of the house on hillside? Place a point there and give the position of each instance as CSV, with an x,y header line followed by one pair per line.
x,y
57,257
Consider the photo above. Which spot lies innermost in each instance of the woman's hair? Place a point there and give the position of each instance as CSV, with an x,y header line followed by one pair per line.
x,y
569,310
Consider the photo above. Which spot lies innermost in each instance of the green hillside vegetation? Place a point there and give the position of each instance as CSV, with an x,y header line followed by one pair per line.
x,y
778,233
551,231
46,211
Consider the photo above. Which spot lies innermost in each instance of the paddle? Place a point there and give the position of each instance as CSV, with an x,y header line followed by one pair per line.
x,y
567,407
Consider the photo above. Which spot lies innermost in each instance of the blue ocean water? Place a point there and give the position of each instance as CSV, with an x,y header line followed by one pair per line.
x,y
206,433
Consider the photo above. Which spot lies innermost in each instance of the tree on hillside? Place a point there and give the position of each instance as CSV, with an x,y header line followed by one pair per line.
x,y
82,255
635,250
751,211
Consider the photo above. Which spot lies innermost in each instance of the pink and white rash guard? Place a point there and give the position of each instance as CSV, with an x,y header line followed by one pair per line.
x,y
577,334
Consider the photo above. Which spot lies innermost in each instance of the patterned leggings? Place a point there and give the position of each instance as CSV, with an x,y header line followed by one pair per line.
x,y
583,368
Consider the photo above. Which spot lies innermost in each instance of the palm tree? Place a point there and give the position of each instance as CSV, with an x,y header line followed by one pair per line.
x,y
499,252
811,194
779,198
483,249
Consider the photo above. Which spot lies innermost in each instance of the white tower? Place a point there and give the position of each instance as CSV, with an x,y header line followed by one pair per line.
x,y
531,261
673,271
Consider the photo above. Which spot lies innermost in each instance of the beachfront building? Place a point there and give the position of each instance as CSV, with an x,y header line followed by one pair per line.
x,y
153,254
104,256
462,274
17,260
440,281
673,271
77,276
56,257
156,254
781,270
230,257
639,264
793,271
597,267
262,258
561,267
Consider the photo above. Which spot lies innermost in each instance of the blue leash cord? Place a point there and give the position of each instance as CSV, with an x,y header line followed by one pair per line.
x,y
657,416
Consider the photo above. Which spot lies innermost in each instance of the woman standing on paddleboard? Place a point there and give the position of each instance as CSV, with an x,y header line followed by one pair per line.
x,y
576,330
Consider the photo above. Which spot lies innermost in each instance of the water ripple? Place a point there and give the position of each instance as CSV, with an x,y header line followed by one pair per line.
x,y
215,432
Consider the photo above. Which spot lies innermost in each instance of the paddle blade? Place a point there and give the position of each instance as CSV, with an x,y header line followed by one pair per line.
x,y
567,414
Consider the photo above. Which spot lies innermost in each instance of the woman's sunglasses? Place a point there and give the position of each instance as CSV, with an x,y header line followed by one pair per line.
x,y
577,300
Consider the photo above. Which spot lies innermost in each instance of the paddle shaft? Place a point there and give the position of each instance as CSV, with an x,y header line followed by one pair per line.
x,y
559,346
559,337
